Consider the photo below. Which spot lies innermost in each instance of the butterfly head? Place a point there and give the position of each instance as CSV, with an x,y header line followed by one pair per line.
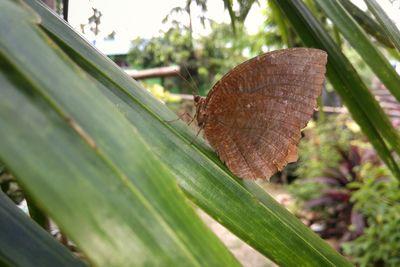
x,y
197,99
199,103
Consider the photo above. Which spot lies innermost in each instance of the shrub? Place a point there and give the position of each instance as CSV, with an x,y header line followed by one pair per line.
x,y
377,198
330,152
351,195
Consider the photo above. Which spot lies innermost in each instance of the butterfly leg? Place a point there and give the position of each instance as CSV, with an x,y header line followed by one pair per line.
x,y
198,132
180,117
191,118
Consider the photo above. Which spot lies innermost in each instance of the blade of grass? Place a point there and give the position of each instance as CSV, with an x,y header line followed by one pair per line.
x,y
387,24
208,184
85,165
358,99
37,214
257,219
283,30
365,48
22,240
367,23
338,38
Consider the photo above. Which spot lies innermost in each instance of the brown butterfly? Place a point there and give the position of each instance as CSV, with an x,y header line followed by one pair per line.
x,y
253,116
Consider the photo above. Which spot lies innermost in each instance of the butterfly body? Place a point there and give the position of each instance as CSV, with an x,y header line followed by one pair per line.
x,y
201,112
254,115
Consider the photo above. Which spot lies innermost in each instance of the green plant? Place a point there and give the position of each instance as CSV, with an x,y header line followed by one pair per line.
x,y
378,199
98,155
321,148
347,83
350,193
330,155
203,60
9,186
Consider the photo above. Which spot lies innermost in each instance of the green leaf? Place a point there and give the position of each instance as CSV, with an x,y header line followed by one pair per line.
x,y
23,243
229,6
367,23
364,108
101,102
360,41
387,24
280,21
85,165
37,214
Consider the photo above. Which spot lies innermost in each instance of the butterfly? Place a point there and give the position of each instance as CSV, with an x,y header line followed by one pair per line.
x,y
253,116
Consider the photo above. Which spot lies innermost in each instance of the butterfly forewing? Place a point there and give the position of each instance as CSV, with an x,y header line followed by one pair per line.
x,y
255,112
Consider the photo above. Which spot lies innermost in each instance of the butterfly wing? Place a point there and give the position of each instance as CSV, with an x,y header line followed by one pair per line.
x,y
255,113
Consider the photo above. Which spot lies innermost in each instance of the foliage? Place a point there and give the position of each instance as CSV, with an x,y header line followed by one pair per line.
x,y
322,146
238,15
9,186
65,133
276,29
349,86
160,51
378,199
186,10
351,194
363,69
204,59
360,41
360,102
202,63
160,93
367,23
97,154
387,24
330,154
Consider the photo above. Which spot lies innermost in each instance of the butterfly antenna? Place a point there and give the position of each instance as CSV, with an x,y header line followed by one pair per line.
x,y
192,84
194,89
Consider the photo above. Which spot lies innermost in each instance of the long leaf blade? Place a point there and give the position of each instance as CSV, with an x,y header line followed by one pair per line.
x,y
241,206
85,164
22,241
387,24
358,99
367,23
360,41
